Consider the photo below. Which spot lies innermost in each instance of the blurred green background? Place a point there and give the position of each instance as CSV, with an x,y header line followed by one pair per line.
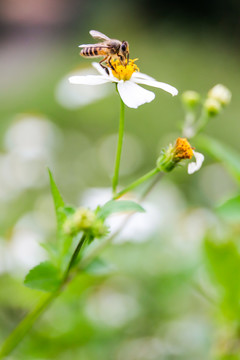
x,y
172,290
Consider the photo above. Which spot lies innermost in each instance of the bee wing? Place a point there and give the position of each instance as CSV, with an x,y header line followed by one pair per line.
x,y
98,35
99,45
86,45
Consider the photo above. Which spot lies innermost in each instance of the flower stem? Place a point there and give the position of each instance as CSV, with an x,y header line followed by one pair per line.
x,y
21,330
119,148
25,325
136,183
75,255
202,121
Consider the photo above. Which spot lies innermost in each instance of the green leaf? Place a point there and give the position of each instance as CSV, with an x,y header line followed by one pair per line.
x,y
230,210
222,153
64,240
45,277
58,203
99,267
68,210
223,261
52,250
114,206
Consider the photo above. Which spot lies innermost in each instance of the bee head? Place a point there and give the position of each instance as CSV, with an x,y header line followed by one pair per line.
x,y
124,52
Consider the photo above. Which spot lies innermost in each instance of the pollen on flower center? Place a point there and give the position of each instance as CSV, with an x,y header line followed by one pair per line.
x,y
182,149
124,72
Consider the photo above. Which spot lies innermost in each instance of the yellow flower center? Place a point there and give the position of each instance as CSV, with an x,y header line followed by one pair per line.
x,y
182,149
124,72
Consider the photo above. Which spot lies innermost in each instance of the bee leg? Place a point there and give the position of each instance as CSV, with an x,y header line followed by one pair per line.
x,y
104,67
110,64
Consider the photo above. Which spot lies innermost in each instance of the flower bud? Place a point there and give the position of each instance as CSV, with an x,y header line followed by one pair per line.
x,y
221,94
212,107
191,99
174,154
99,229
85,220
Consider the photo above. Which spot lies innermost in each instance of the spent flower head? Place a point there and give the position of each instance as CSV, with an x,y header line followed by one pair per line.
x,y
127,77
182,150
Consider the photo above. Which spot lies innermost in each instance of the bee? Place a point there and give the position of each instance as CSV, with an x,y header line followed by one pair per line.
x,y
109,48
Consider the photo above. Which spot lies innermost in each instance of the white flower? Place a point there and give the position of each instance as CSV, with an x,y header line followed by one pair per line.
x,y
196,165
126,77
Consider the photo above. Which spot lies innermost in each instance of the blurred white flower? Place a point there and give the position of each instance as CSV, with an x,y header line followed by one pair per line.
x,y
126,78
31,137
147,348
72,97
29,143
138,228
162,206
21,251
111,307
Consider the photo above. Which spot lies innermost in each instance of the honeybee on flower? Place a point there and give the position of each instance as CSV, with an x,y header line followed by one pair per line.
x,y
122,71
109,48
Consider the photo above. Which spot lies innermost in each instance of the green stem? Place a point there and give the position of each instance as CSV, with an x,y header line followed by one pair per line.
x,y
119,148
25,325
75,255
188,124
20,331
202,122
136,183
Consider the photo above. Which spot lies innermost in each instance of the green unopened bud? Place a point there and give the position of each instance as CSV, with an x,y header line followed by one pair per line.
x,y
171,156
69,226
212,107
85,220
82,220
220,93
190,99
99,229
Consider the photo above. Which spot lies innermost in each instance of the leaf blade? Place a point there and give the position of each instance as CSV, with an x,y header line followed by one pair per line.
x,y
58,202
114,206
222,153
45,276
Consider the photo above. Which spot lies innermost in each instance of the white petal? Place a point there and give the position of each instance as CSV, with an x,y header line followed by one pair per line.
x,y
195,166
88,80
99,68
170,89
103,72
133,95
138,75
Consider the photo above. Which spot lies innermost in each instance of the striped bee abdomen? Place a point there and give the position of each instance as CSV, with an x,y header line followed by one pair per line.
x,y
93,51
